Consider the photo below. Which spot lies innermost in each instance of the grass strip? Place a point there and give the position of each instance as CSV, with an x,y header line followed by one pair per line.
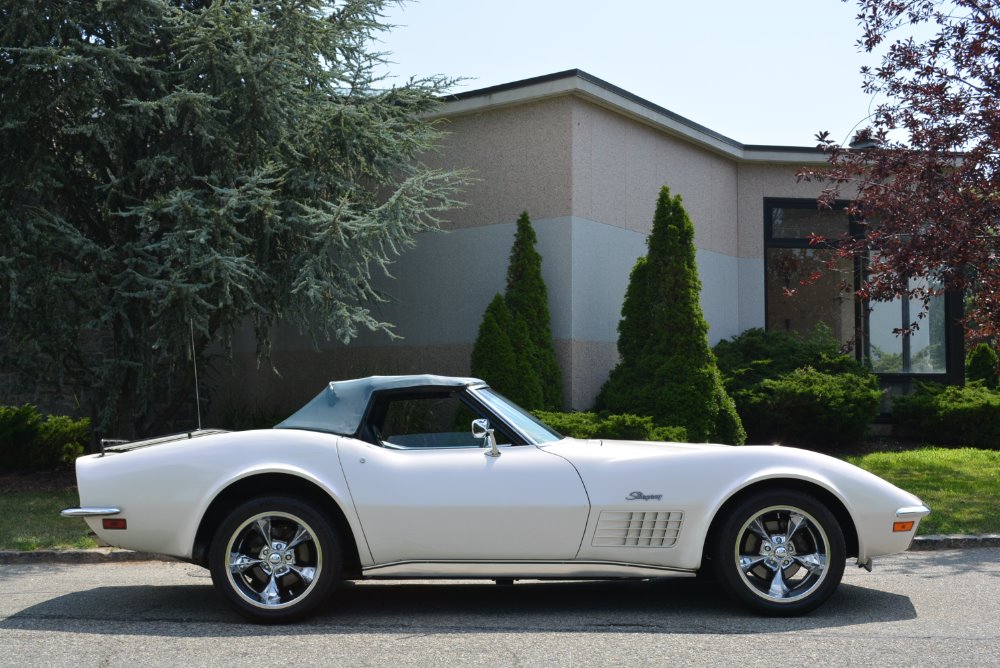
x,y
31,521
961,486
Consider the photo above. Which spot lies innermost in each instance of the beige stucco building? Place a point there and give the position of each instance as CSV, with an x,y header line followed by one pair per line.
x,y
586,160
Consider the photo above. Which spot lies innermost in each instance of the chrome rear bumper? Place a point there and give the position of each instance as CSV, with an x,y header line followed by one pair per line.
x,y
89,512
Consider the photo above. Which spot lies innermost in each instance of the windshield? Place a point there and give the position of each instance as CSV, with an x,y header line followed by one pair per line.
x,y
536,431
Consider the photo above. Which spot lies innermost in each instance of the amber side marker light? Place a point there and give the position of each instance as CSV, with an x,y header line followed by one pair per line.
x,y
896,526
121,523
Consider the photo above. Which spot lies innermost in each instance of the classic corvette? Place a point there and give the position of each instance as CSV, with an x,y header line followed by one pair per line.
x,y
436,477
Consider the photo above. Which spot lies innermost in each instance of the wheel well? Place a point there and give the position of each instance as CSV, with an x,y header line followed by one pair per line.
x,y
275,483
819,493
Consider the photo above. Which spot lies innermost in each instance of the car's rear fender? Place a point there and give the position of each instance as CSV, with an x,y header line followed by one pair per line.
x,y
286,483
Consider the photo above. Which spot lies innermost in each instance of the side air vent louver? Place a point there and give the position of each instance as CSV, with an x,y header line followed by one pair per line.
x,y
638,529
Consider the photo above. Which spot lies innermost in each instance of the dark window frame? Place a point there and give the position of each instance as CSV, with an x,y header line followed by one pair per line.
x,y
954,344
375,413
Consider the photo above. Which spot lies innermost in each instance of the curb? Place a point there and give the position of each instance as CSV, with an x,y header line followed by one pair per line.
x,y
953,542
95,556
110,555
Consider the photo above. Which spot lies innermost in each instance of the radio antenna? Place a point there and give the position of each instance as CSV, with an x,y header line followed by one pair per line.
x,y
194,362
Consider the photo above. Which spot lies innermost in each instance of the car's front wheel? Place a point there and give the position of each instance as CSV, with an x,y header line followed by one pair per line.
x,y
780,552
275,559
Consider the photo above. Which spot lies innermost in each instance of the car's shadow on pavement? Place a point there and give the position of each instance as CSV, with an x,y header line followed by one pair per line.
x,y
669,605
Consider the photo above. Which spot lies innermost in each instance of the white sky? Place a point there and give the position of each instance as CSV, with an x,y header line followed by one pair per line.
x,y
757,71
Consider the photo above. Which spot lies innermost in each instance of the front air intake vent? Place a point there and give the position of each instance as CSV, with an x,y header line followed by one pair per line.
x,y
638,529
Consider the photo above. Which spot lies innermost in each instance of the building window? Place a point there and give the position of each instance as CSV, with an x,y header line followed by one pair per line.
x,y
923,351
932,351
790,260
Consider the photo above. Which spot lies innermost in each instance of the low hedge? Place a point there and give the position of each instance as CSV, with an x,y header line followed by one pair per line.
x,y
31,441
810,408
950,415
798,388
620,426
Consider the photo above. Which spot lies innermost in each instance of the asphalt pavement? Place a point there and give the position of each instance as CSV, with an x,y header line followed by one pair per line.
x,y
916,609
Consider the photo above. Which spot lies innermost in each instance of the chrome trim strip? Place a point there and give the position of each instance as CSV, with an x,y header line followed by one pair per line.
x,y
89,512
913,510
518,569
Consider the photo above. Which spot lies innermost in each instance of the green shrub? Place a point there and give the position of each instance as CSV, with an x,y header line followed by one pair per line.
x,y
578,424
755,355
950,415
981,365
810,408
30,442
19,426
61,440
669,434
767,373
667,370
621,427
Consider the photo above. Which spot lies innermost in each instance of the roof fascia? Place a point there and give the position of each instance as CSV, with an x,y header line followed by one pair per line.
x,y
583,85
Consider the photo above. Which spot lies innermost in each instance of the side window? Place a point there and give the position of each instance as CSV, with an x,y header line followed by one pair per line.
x,y
428,421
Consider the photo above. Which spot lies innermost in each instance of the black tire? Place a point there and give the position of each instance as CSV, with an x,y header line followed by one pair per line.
x,y
781,553
283,577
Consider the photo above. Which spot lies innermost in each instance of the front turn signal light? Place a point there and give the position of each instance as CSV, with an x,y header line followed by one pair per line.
x,y
902,526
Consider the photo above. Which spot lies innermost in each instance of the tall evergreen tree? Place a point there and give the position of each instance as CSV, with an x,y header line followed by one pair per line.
x,y
528,298
213,163
499,356
666,368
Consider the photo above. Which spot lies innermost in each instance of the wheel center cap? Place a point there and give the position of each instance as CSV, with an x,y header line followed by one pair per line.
x,y
274,558
780,551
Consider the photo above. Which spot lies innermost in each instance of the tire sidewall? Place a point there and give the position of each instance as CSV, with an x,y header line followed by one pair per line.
x,y
728,573
324,534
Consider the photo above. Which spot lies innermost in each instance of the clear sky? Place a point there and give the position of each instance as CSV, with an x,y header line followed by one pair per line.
x,y
757,71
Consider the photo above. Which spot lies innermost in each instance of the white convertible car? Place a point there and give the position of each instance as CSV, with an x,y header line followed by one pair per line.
x,y
435,477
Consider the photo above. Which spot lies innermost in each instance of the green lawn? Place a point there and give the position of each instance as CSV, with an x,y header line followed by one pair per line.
x,y
31,521
961,486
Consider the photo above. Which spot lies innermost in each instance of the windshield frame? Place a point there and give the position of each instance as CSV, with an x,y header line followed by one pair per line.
x,y
530,428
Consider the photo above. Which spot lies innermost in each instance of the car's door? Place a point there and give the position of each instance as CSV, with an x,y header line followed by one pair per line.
x,y
428,491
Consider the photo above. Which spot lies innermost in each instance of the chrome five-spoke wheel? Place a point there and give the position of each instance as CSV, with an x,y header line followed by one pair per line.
x,y
781,553
274,559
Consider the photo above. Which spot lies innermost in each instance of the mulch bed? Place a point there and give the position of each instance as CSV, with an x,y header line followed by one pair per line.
x,y
62,479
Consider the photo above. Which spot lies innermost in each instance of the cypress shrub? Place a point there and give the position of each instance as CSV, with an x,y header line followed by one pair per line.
x,y
666,369
527,298
530,390
493,357
513,351
981,365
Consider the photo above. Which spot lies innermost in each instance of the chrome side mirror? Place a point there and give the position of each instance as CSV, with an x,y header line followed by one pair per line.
x,y
481,429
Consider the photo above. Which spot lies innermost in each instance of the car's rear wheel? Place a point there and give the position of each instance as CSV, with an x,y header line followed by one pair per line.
x,y
780,552
275,559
